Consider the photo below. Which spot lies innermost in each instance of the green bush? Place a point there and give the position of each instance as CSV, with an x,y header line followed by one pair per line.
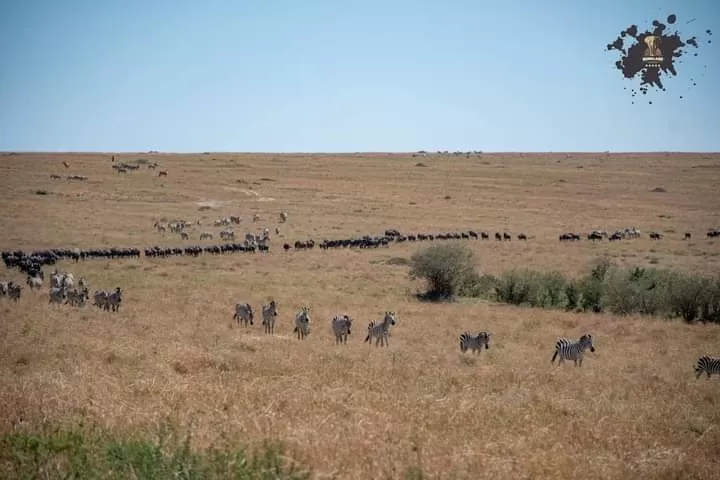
x,y
515,287
447,269
572,295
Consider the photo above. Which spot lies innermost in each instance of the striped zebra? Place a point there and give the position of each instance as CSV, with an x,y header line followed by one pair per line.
x,y
14,291
113,300
57,295
573,350
380,330
302,323
341,326
474,342
283,217
243,312
100,299
269,313
76,297
707,364
34,282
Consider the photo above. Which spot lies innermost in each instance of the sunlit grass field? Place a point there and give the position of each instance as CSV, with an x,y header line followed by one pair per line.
x,y
173,354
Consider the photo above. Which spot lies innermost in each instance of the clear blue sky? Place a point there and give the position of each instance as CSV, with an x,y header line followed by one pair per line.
x,y
337,76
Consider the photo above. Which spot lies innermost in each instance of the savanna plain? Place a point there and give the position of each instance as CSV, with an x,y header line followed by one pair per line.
x,y
419,408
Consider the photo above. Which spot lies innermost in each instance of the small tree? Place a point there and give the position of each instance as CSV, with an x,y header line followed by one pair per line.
x,y
447,269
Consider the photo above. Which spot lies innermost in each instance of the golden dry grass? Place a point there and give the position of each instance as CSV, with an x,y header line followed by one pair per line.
x,y
635,409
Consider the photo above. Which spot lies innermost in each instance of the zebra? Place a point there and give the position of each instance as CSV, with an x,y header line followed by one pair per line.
x,y
302,323
573,351
380,330
707,364
77,297
34,282
474,342
283,217
113,300
14,291
341,326
244,312
269,313
57,294
100,299
205,235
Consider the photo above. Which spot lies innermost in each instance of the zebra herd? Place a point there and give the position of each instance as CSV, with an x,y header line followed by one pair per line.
x,y
63,291
341,324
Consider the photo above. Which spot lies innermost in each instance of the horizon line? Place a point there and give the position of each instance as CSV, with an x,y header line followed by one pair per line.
x,y
369,152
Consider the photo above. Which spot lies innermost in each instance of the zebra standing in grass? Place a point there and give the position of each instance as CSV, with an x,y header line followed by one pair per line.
x,y
380,330
113,300
244,312
573,351
707,364
269,312
474,342
341,326
302,323
14,291
57,294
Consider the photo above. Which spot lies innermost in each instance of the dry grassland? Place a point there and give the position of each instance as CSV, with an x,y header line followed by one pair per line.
x,y
634,410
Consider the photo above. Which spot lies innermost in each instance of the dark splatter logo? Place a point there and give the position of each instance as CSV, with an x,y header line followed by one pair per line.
x,y
652,53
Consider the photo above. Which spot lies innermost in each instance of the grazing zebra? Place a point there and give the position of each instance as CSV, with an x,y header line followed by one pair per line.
x,y
474,342
269,313
302,323
573,351
244,312
205,235
341,326
707,364
256,217
380,330
283,217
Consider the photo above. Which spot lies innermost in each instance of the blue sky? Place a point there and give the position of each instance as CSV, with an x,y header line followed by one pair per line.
x,y
344,76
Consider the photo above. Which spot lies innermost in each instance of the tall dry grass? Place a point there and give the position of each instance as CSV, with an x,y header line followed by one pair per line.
x,y
634,410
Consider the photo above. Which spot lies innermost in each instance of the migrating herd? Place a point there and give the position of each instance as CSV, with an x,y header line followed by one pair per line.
x,y
626,234
64,290
341,326
31,263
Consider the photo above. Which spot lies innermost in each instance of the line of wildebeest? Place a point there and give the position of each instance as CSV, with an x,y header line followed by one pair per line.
x,y
32,263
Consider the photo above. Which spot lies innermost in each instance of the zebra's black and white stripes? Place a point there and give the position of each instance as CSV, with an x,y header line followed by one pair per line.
x,y
707,364
302,323
567,350
244,312
380,330
269,313
474,342
341,326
